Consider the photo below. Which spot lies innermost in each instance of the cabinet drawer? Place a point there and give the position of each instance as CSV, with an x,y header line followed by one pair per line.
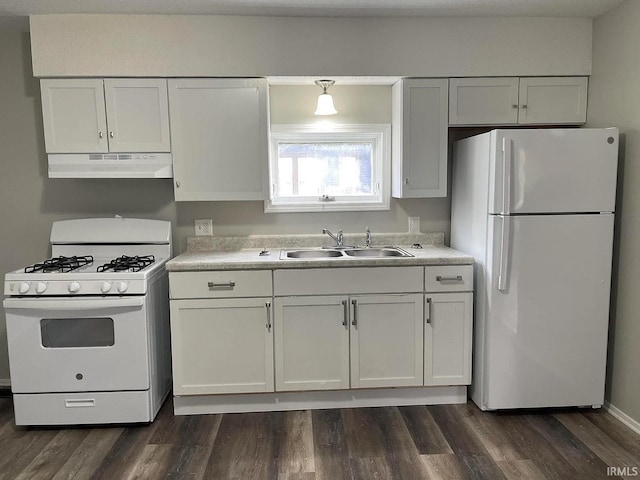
x,y
342,281
220,284
449,278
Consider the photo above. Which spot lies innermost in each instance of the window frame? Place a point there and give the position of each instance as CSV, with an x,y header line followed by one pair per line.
x,y
379,135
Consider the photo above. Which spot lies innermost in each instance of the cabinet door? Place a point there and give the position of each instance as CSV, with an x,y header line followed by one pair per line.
x,y
137,115
386,340
447,338
483,101
73,115
222,346
419,138
219,138
311,343
553,100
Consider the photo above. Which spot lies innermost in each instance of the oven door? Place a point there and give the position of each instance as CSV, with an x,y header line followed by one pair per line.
x,y
77,344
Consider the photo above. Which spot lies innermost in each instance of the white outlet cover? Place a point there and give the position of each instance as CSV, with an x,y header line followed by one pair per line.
x,y
414,224
203,226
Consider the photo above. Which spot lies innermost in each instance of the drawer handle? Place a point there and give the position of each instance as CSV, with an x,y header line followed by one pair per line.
x,y
345,313
457,278
79,403
229,284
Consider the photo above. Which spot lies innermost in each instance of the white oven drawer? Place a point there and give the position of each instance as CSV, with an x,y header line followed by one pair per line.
x,y
448,278
82,408
220,284
77,345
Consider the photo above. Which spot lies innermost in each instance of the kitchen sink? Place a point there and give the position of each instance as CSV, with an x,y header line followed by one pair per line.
x,y
311,254
377,252
361,252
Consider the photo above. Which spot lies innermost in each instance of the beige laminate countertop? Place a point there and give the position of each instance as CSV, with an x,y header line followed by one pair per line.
x,y
250,259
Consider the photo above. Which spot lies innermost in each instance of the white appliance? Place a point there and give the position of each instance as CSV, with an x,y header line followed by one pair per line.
x,y
535,208
88,329
110,165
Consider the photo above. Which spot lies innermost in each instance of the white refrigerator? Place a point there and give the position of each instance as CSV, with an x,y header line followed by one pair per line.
x,y
535,207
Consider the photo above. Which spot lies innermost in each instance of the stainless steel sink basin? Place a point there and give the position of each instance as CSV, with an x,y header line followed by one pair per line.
x,y
357,252
377,252
311,254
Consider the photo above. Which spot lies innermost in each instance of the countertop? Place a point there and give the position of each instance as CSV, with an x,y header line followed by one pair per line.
x,y
250,259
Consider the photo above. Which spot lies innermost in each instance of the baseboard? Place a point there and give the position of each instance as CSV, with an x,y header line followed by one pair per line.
x,y
282,401
623,417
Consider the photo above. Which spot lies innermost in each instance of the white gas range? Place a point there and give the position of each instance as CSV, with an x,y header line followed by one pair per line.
x,y
88,329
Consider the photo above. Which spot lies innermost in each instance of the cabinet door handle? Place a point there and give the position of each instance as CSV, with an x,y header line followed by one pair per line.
x,y
110,134
354,322
524,106
345,320
427,310
457,278
100,135
268,305
515,105
229,284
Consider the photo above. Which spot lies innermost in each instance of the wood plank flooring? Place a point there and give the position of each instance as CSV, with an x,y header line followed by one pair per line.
x,y
400,443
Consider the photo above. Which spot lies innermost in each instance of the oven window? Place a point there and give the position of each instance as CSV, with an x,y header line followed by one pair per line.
x,y
77,332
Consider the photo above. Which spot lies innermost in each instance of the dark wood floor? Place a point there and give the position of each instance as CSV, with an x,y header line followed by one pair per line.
x,y
404,443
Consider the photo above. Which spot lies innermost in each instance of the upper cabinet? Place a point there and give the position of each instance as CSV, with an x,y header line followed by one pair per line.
x,y
419,138
101,116
518,101
219,137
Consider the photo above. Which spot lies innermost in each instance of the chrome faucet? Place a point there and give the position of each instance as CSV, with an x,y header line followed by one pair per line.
x,y
368,240
339,239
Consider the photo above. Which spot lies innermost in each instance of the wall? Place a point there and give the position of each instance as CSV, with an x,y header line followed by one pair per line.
x,y
207,45
228,46
614,101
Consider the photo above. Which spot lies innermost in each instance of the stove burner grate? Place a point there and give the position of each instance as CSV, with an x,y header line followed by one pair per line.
x,y
125,263
60,264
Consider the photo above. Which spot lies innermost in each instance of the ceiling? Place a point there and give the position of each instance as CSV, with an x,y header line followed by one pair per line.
x,y
14,13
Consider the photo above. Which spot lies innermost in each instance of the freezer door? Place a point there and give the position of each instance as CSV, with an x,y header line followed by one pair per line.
x,y
553,170
546,320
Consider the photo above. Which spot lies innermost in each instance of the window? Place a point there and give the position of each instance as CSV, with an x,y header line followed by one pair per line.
x,y
329,168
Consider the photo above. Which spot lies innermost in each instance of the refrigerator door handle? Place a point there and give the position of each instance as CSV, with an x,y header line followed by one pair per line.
x,y
503,280
507,149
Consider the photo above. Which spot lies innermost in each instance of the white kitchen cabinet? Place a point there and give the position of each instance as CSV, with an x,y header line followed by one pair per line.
x,y
518,101
311,343
102,116
419,138
222,346
447,338
219,137
386,340
553,100
483,101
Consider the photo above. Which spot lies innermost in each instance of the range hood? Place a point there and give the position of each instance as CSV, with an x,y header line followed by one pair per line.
x,y
111,165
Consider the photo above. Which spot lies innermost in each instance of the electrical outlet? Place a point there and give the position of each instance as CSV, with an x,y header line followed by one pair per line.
x,y
203,226
414,224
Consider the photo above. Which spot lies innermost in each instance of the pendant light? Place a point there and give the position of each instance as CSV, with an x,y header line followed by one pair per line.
x,y
325,101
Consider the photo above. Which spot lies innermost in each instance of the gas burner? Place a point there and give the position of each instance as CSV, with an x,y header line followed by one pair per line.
x,y
60,264
129,264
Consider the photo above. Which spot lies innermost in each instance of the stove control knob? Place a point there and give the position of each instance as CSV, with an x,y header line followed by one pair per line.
x,y
74,287
106,286
24,287
41,287
122,287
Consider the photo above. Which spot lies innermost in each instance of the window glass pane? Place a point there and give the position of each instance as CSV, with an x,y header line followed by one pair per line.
x,y
77,332
325,168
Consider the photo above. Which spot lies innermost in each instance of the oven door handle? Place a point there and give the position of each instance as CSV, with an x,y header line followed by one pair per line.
x,y
72,303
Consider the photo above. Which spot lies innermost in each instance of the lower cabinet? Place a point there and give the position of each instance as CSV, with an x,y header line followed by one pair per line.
x,y
339,342
222,346
447,338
